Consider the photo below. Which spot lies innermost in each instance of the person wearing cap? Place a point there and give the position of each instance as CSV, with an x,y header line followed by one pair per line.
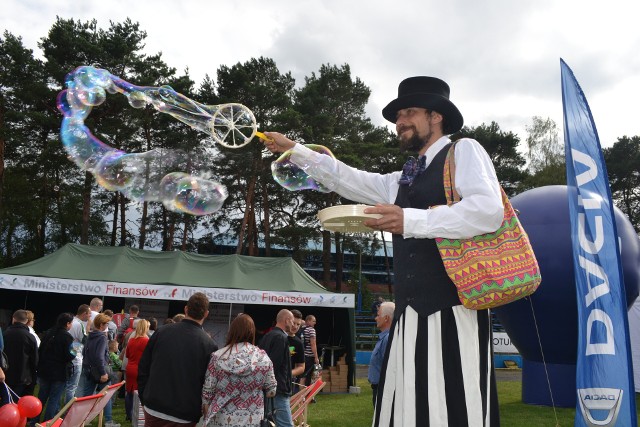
x,y
438,365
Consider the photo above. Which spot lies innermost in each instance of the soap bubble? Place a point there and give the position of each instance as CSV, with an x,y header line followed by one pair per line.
x,y
137,99
191,194
295,178
176,178
116,170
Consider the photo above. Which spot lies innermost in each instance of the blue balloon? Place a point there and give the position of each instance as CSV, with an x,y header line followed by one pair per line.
x,y
544,214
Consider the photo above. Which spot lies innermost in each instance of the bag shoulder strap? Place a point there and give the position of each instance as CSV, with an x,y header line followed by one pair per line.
x,y
449,176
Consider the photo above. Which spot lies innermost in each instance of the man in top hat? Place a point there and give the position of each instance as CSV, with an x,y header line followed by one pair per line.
x,y
438,367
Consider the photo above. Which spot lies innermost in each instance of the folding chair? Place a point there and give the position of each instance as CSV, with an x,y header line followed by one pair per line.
x,y
82,410
299,402
109,391
77,412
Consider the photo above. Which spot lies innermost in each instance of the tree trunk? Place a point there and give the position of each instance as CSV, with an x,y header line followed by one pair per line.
x,y
123,221
86,208
63,225
251,233
255,235
247,210
114,221
267,225
185,233
42,226
172,230
143,226
165,228
145,204
2,145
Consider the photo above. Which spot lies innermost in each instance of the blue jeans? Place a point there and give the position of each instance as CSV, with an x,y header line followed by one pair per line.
x,y
49,394
92,387
72,383
283,411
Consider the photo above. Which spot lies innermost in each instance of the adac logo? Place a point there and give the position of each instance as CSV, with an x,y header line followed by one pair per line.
x,y
600,406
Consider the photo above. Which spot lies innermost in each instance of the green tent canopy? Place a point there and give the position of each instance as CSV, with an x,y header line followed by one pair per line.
x,y
128,265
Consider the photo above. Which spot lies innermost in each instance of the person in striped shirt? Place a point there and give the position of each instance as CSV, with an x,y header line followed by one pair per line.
x,y
310,348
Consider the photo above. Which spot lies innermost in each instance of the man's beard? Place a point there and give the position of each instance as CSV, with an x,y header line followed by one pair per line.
x,y
415,143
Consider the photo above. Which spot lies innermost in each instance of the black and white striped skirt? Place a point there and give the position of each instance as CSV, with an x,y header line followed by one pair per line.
x,y
438,371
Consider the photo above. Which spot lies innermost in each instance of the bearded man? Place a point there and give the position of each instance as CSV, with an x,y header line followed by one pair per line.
x,y
438,365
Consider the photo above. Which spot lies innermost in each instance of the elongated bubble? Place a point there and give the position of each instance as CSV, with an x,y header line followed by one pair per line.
x,y
176,178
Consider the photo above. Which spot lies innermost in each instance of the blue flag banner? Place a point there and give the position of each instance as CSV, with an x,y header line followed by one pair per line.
x,y
604,378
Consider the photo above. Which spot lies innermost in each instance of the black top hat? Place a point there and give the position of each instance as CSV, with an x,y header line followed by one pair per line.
x,y
426,92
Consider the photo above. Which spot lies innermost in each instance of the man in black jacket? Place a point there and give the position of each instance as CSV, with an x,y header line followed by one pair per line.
x,y
22,351
276,344
172,368
55,367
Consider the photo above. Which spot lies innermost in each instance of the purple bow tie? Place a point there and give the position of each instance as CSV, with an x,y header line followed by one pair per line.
x,y
411,169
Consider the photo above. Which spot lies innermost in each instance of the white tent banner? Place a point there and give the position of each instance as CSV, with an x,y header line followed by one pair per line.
x,y
502,343
173,292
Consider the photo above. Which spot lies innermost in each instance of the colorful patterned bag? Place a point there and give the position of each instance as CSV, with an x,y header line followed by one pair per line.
x,y
491,269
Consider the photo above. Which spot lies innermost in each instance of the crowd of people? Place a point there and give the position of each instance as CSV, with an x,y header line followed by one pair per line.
x,y
178,372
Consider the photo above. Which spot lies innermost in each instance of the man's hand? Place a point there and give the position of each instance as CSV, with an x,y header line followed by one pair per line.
x,y
392,219
278,143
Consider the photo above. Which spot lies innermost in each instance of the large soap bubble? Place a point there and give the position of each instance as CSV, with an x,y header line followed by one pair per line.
x,y
191,194
295,178
141,176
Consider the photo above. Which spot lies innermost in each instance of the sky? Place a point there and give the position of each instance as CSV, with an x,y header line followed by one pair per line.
x,y
501,58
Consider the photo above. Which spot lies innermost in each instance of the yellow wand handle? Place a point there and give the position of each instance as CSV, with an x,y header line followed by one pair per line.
x,y
263,137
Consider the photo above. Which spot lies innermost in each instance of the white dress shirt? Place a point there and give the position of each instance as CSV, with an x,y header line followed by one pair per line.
x,y
480,210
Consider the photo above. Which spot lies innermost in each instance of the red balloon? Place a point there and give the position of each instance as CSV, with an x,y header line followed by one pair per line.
x,y
29,406
22,422
9,415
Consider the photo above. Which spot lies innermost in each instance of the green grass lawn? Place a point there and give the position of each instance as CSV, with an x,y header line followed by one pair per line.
x,y
340,410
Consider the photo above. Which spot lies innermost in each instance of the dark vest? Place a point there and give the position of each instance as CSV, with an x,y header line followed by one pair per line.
x,y
420,278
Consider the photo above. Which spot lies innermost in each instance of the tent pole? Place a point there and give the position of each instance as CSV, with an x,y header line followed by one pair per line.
x,y
230,310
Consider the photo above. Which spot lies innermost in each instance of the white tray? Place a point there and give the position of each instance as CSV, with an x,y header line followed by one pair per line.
x,y
346,218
